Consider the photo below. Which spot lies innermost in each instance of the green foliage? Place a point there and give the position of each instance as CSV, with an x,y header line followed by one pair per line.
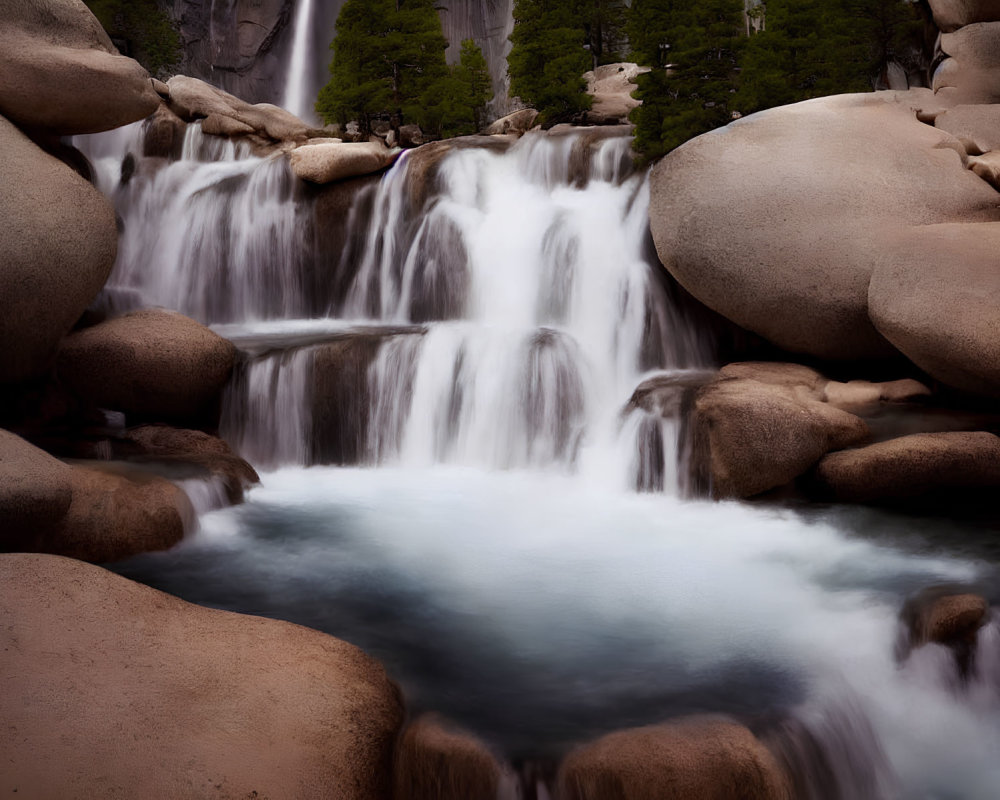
x,y
695,49
808,48
547,58
142,29
604,28
388,62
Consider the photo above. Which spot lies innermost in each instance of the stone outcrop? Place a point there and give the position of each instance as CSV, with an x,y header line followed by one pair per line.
x,y
611,86
760,426
969,74
953,14
698,758
912,467
778,220
155,364
438,761
327,163
90,513
60,74
115,689
192,99
57,249
517,123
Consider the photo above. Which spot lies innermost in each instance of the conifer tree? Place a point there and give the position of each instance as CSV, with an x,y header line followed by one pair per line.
x,y
456,104
388,59
547,58
142,29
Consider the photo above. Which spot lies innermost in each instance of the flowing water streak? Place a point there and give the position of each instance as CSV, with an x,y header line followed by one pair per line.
x,y
297,98
228,235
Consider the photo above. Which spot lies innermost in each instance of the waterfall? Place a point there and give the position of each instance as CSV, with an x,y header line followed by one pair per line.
x,y
526,274
297,98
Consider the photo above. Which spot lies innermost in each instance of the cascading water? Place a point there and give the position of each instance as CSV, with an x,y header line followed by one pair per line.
x,y
477,372
298,96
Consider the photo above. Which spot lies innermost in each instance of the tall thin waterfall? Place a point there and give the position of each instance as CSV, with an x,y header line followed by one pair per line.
x,y
297,98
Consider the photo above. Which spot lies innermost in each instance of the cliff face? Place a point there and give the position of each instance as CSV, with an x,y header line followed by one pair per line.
x,y
244,46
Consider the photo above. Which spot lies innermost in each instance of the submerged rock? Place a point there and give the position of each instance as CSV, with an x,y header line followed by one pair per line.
x,y
57,249
60,74
154,364
115,689
698,758
437,761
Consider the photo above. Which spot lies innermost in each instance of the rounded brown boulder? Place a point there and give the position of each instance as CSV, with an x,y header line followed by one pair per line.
x,y
935,294
35,488
59,72
438,761
911,467
112,689
953,14
969,74
760,426
699,758
152,364
774,220
57,248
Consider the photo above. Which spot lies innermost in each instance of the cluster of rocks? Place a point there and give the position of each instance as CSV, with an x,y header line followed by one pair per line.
x,y
855,228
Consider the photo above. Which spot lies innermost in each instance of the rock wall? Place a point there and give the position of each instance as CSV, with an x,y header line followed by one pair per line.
x,y
244,46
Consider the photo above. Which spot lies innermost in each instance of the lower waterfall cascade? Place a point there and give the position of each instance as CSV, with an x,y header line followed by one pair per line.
x,y
454,479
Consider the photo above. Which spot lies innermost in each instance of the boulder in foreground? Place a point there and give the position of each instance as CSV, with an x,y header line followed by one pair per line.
x,y
57,248
698,758
112,689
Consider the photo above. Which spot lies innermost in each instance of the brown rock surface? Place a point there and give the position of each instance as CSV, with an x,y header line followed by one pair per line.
x,y
970,74
976,126
611,86
935,294
952,14
759,433
912,467
698,758
773,221
326,163
57,248
35,489
59,72
112,689
436,761
151,364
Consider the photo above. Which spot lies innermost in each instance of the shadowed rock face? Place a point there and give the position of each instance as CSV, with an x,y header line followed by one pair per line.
x,y
57,248
115,689
699,758
60,74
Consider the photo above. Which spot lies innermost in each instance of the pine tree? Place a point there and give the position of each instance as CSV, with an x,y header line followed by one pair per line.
x,y
456,103
604,28
388,62
547,58
694,49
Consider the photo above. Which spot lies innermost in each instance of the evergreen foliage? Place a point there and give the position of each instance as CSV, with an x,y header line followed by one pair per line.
x,y
705,67
604,29
695,50
389,63
547,58
142,30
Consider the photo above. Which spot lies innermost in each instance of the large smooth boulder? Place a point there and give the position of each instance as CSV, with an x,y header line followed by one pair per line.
x,y
760,426
935,294
699,758
969,75
912,467
953,14
435,760
611,86
152,364
192,99
976,126
327,163
776,220
57,249
112,689
60,74
35,489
